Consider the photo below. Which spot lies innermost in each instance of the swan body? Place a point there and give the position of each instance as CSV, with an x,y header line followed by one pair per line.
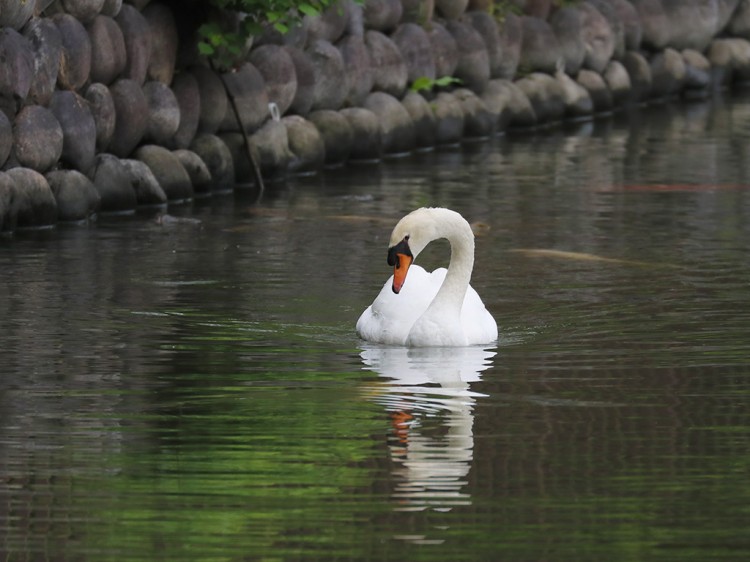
x,y
429,309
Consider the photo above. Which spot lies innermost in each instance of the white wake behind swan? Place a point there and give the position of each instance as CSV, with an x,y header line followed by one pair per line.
x,y
430,309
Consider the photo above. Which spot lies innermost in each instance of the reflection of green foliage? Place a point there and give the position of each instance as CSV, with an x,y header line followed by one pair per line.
x,y
251,459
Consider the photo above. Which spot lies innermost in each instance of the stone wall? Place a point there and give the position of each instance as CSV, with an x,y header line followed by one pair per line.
x,y
105,105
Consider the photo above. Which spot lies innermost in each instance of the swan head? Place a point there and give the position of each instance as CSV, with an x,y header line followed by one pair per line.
x,y
410,236
400,257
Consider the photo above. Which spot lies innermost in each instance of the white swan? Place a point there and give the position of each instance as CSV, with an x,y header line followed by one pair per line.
x,y
430,309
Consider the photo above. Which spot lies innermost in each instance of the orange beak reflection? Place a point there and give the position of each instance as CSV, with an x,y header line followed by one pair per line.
x,y
403,262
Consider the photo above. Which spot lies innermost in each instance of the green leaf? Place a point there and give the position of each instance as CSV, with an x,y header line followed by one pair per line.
x,y
209,29
447,81
308,10
236,48
205,49
251,27
421,83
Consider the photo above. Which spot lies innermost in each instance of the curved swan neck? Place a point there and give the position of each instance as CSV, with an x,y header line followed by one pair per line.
x,y
461,239
424,225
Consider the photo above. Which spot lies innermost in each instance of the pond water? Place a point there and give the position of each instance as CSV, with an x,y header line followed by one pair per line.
x,y
194,389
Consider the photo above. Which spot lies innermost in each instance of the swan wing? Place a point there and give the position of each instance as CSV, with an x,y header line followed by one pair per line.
x,y
391,316
478,324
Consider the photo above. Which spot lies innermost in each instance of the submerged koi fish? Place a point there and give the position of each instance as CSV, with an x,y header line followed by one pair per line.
x,y
678,187
581,256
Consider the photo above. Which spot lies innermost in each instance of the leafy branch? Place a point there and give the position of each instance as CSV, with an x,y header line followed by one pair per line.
x,y
226,46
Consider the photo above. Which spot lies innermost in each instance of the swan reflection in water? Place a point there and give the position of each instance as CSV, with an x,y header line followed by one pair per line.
x,y
431,405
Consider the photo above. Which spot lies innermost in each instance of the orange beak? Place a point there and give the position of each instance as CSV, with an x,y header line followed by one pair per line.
x,y
400,269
